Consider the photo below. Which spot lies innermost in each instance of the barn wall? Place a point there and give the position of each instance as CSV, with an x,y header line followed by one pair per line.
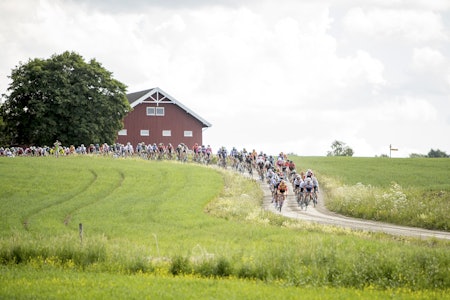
x,y
175,119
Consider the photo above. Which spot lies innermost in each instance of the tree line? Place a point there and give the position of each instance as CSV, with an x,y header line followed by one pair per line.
x,y
432,154
339,148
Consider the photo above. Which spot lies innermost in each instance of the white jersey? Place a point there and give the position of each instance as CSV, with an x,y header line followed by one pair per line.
x,y
298,181
315,182
307,183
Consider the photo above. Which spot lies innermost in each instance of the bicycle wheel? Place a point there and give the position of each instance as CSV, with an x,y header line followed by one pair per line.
x,y
281,201
306,200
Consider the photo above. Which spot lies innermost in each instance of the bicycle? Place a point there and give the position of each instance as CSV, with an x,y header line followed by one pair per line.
x,y
234,163
240,167
261,174
250,169
306,200
300,198
280,200
314,198
222,162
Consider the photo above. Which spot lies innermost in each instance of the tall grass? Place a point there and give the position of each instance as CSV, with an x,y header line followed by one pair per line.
x,y
169,219
413,192
25,282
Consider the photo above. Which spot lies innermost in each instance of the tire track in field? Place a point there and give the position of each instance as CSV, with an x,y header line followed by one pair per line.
x,y
26,220
321,215
118,184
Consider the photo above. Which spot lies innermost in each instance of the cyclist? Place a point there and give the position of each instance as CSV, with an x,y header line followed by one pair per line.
x,y
260,162
273,185
57,144
170,150
297,182
254,154
233,152
267,164
315,183
161,150
208,152
283,191
222,154
271,160
270,174
129,150
280,163
307,185
281,156
249,163
195,148
298,190
291,165
203,151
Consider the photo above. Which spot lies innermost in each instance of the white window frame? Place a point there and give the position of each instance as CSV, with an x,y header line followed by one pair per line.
x,y
167,133
145,132
151,110
160,111
122,132
188,133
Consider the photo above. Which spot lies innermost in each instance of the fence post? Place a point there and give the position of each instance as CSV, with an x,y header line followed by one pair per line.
x,y
80,227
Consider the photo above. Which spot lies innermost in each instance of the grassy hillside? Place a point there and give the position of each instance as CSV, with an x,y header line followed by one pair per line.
x,y
421,173
405,191
190,227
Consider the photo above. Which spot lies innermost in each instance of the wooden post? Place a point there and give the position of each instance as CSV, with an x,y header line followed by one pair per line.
x,y
157,247
80,227
391,149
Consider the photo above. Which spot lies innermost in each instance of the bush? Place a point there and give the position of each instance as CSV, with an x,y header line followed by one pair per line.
x,y
180,265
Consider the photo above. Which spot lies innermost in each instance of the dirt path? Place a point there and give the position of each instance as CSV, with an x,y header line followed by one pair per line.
x,y
323,216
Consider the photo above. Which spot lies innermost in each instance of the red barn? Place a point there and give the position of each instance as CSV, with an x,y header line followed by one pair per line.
x,y
157,117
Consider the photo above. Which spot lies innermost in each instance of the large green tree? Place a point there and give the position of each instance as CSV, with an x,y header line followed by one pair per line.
x,y
63,98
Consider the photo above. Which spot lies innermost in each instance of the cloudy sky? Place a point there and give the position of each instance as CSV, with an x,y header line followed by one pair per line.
x,y
287,75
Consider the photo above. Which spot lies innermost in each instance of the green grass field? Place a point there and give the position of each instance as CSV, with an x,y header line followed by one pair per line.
x,y
422,173
163,229
405,191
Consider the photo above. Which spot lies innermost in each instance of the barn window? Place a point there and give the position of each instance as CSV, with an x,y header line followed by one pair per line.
x,y
188,133
150,111
160,111
145,132
123,132
155,111
167,132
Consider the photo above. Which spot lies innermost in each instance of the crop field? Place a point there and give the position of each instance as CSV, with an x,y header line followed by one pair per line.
x,y
153,229
406,191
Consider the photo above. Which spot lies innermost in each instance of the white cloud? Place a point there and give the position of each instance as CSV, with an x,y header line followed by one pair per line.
x,y
408,24
405,109
427,58
174,23
364,68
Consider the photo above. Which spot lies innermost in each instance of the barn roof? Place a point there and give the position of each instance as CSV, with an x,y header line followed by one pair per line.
x,y
157,96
